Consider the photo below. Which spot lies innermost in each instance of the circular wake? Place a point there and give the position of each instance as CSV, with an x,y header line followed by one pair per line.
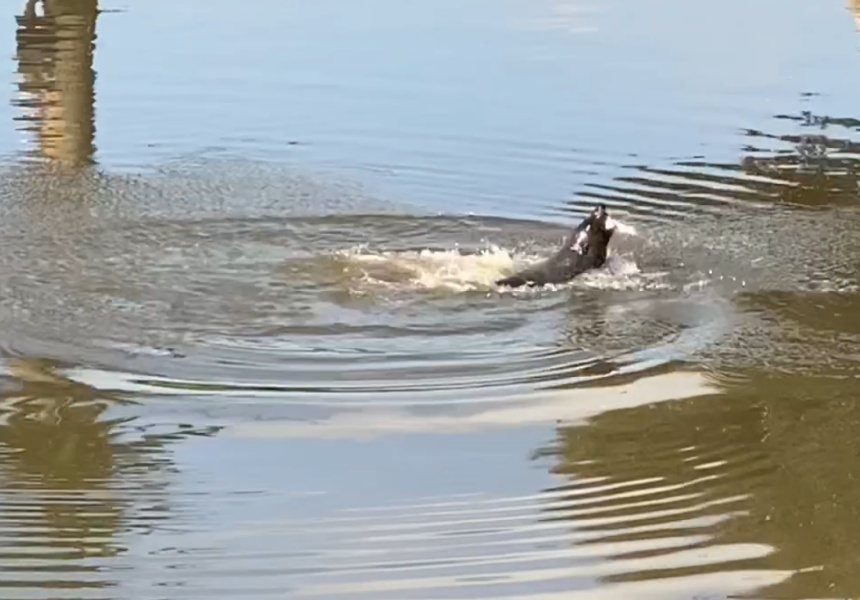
x,y
316,312
285,294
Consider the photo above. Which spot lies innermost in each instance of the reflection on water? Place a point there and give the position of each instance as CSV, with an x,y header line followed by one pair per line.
x,y
759,478
74,481
811,169
328,311
804,169
55,48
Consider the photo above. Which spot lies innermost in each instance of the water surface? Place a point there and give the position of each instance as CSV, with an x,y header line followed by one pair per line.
x,y
247,257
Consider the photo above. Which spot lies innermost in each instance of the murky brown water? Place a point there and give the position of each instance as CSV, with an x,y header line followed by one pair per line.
x,y
250,345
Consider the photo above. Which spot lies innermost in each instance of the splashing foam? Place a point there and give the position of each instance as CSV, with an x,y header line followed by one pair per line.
x,y
450,270
621,273
456,271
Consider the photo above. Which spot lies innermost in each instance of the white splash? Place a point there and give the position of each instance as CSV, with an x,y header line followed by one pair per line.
x,y
620,227
450,270
457,271
621,273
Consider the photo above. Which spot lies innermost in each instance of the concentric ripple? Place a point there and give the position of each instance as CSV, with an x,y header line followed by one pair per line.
x,y
339,309
665,534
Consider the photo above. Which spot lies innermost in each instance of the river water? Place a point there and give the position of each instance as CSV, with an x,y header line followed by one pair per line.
x,y
250,343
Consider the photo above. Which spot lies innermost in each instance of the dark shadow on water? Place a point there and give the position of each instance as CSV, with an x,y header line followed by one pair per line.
x,y
74,480
816,168
809,333
815,165
762,477
57,80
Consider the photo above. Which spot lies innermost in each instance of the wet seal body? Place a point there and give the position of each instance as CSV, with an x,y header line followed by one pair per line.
x,y
583,250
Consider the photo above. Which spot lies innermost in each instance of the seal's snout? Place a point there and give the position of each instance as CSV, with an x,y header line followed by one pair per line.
x,y
600,215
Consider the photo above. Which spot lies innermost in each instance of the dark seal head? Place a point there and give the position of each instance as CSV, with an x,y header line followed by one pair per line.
x,y
591,237
585,249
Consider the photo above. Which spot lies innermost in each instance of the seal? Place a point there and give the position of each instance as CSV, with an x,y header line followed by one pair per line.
x,y
583,250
